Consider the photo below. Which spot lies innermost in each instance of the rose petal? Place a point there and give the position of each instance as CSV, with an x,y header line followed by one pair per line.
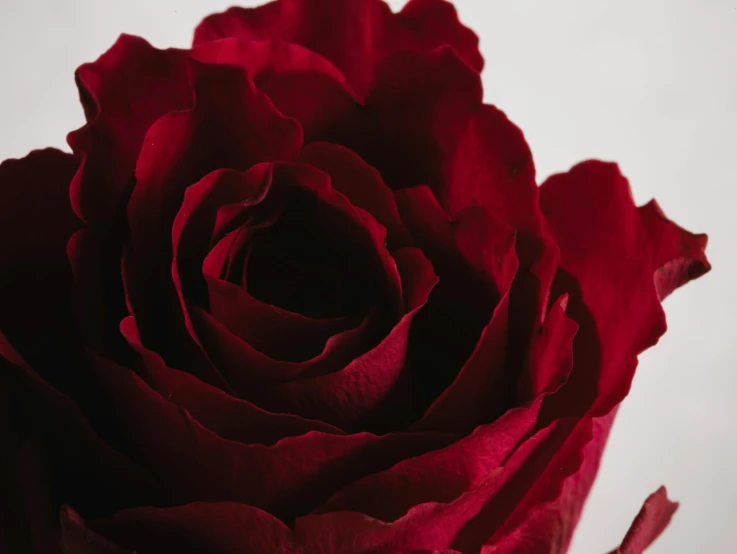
x,y
350,395
256,57
230,126
215,528
229,417
439,476
77,538
607,269
123,93
85,470
361,184
287,479
550,358
355,38
36,221
246,367
268,328
427,526
474,256
677,254
191,233
543,509
652,520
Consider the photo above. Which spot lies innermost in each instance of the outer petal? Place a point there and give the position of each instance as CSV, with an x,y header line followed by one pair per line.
x,y
544,516
677,255
355,36
123,93
215,528
439,476
607,266
267,56
653,518
36,221
287,479
52,443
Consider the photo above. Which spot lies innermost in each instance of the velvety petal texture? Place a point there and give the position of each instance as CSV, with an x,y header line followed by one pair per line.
x,y
296,290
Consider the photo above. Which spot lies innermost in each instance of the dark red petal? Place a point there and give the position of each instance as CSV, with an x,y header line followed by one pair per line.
x,y
256,56
268,328
435,23
123,93
544,506
215,528
486,246
351,394
652,520
355,36
550,358
231,126
229,417
361,184
439,476
77,538
288,478
677,255
427,526
36,221
607,267
246,367
85,470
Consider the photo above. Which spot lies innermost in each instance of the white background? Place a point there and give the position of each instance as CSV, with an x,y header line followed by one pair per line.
x,y
651,84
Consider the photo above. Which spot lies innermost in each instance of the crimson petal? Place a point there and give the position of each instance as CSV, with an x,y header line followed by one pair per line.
x,y
678,256
361,184
356,36
439,476
607,267
288,478
351,394
215,528
231,418
653,518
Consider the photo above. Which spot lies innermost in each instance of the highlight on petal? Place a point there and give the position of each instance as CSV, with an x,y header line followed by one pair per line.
x,y
77,538
354,36
653,518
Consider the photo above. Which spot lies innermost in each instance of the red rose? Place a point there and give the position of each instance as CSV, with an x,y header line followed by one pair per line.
x,y
296,290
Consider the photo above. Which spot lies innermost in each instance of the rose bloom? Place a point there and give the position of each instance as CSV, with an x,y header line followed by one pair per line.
x,y
297,290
